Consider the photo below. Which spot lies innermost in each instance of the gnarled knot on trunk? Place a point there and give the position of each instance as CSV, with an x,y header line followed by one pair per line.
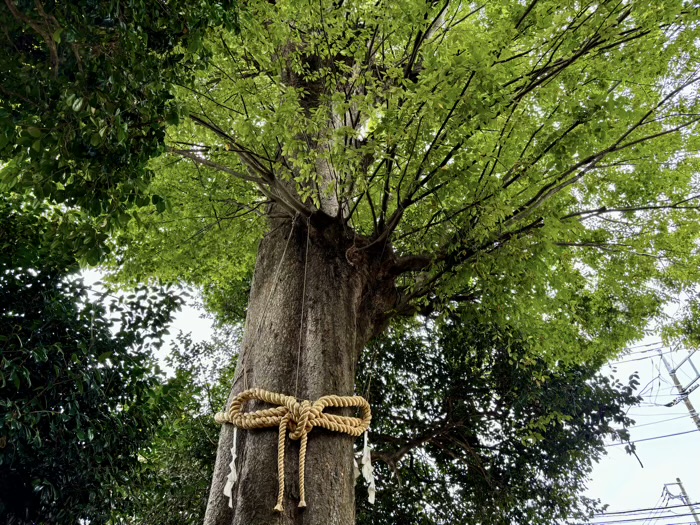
x,y
299,417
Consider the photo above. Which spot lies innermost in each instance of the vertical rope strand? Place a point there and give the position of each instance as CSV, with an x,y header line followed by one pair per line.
x,y
267,301
303,303
302,468
280,462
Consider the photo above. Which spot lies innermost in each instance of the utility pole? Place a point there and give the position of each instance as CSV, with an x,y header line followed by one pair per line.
x,y
683,391
683,497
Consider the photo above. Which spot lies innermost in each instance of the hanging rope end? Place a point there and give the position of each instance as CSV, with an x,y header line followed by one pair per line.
x,y
279,507
302,504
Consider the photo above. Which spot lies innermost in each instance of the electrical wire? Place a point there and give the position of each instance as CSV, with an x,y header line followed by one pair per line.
x,y
671,394
684,416
650,347
663,498
653,438
621,361
641,392
639,511
630,520
657,414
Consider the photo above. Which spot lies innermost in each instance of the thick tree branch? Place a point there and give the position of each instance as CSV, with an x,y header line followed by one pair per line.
x,y
196,157
527,11
421,37
611,247
409,263
679,205
393,457
272,188
536,77
247,157
45,31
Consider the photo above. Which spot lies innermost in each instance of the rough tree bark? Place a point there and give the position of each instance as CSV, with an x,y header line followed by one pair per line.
x,y
318,295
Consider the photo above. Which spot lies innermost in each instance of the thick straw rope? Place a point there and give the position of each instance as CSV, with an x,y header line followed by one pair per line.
x,y
300,418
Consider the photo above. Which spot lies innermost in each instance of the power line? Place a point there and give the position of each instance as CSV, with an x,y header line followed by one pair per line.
x,y
638,358
662,498
665,395
650,383
659,414
606,522
654,345
684,416
652,438
629,520
659,353
638,511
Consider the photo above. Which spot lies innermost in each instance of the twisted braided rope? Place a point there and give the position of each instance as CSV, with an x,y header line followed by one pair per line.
x,y
300,418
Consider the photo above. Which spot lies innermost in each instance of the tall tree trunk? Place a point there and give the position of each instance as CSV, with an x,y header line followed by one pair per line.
x,y
316,299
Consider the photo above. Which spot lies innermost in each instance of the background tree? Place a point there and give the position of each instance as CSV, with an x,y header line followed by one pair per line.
x,y
535,160
85,97
177,464
469,427
78,393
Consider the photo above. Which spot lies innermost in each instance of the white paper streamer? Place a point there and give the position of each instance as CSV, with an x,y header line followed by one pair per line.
x,y
368,470
232,476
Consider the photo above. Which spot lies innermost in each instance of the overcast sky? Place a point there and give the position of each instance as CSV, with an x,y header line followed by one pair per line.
x,y
619,479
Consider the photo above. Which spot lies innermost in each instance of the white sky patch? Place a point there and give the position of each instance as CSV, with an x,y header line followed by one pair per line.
x,y
190,319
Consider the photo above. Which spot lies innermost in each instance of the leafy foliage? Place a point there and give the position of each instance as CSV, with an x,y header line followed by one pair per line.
x,y
468,427
85,96
78,393
176,466
539,159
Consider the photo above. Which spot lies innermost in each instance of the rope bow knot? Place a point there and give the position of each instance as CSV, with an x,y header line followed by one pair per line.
x,y
299,417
